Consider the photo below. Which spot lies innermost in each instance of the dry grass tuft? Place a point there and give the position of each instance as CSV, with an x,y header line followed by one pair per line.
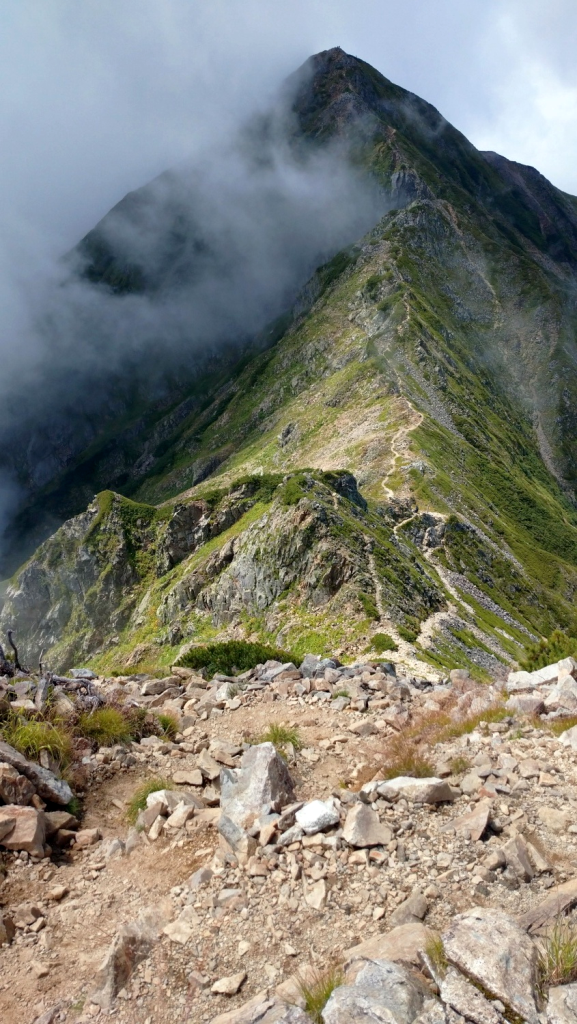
x,y
31,736
316,988
105,725
281,736
558,955
435,952
459,765
168,724
558,727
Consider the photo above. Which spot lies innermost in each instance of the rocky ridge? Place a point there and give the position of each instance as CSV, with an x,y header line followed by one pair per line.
x,y
248,868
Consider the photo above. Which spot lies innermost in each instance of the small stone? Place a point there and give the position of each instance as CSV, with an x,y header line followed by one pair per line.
x,y
470,784
316,894
423,791
555,819
317,816
362,827
39,970
413,910
180,816
87,837
472,824
57,893
189,777
517,857
27,829
179,931
229,986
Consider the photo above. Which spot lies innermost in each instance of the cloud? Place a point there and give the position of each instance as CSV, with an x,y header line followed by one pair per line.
x,y
99,97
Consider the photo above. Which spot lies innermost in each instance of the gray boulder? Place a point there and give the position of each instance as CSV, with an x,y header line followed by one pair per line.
x,y
44,781
381,992
562,1005
466,1000
262,779
490,948
316,816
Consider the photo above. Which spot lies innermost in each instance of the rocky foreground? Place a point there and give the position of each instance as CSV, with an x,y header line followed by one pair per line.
x,y
415,843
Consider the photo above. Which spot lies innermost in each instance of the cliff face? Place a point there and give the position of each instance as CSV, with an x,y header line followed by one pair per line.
x,y
433,359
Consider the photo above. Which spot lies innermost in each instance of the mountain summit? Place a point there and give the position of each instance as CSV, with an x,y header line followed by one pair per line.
x,y
391,456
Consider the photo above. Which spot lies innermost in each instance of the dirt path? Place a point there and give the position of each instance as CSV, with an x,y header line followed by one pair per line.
x,y
399,443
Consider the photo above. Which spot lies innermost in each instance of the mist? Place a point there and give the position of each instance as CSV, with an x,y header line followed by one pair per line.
x,y
192,265
98,99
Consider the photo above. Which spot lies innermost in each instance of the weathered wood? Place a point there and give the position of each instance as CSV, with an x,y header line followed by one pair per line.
x,y
17,664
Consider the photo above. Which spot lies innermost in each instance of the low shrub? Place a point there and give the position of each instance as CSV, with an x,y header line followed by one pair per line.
x,y
369,607
408,634
382,642
105,726
316,987
546,652
231,656
140,796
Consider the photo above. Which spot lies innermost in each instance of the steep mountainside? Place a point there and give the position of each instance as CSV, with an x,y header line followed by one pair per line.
x,y
434,359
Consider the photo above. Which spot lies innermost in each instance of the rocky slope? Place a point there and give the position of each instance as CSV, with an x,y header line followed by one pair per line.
x,y
248,872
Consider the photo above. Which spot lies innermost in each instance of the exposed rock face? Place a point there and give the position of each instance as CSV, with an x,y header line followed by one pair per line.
x,y
44,781
466,1000
130,946
381,991
495,952
562,1004
27,831
14,787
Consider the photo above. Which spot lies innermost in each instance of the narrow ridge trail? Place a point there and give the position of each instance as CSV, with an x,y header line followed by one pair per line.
x,y
397,445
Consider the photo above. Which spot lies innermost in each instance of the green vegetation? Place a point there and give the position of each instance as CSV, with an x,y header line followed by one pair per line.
x,y
459,765
31,736
558,955
547,652
382,642
316,988
406,633
231,656
369,607
140,795
105,726
168,724
281,736
435,951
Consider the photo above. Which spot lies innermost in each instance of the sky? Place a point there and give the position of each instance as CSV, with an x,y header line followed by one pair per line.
x,y
98,96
